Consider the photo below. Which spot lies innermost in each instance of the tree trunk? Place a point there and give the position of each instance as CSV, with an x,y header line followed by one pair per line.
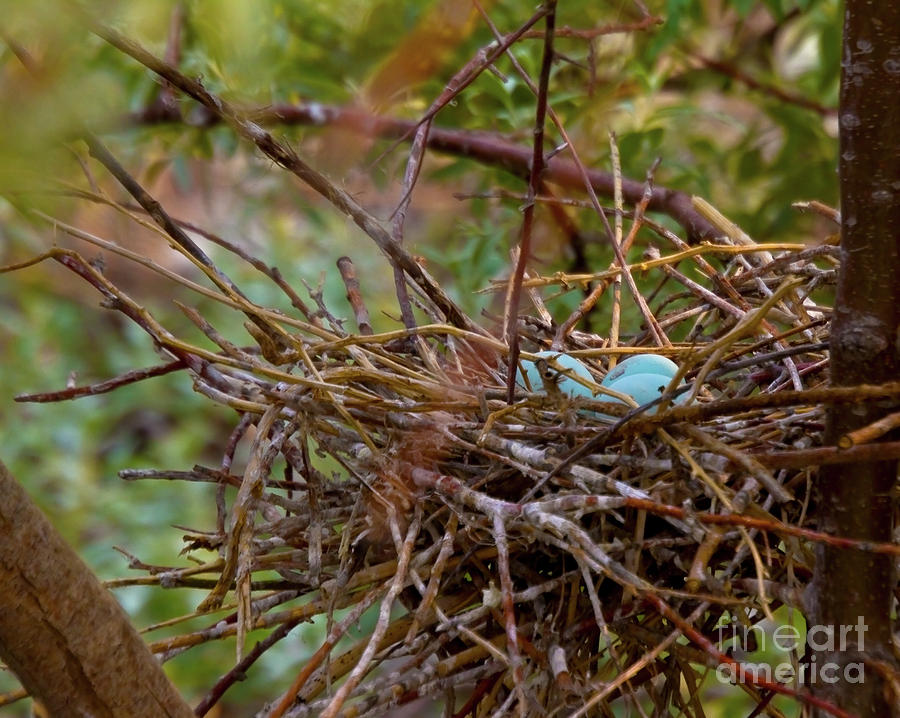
x,y
62,633
853,590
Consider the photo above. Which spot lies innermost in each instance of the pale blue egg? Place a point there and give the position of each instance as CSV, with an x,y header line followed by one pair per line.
x,y
643,377
642,364
640,387
570,366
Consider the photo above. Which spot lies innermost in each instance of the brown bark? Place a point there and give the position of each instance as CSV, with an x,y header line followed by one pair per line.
x,y
62,633
855,500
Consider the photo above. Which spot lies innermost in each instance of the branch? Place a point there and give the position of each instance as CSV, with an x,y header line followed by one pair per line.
x,y
859,500
592,33
354,296
285,157
511,320
457,84
63,634
130,377
489,148
734,72
239,672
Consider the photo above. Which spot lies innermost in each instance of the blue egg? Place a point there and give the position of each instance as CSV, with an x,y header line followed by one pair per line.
x,y
640,387
642,364
643,377
570,366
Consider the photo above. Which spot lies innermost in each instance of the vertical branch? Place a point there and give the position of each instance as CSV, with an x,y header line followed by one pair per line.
x,y
227,459
617,281
657,333
354,296
509,616
537,166
314,495
462,79
413,166
856,500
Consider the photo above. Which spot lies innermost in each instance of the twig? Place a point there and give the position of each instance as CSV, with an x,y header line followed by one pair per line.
x,y
384,614
592,33
227,460
13,696
803,458
348,274
457,84
238,673
286,157
808,397
820,208
738,74
506,599
772,525
870,432
130,377
616,317
164,106
511,323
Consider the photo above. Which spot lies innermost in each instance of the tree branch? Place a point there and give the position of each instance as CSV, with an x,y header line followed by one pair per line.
x,y
489,148
511,320
858,500
286,157
62,633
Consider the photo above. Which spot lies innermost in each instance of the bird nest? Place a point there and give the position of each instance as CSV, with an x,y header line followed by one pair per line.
x,y
544,553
